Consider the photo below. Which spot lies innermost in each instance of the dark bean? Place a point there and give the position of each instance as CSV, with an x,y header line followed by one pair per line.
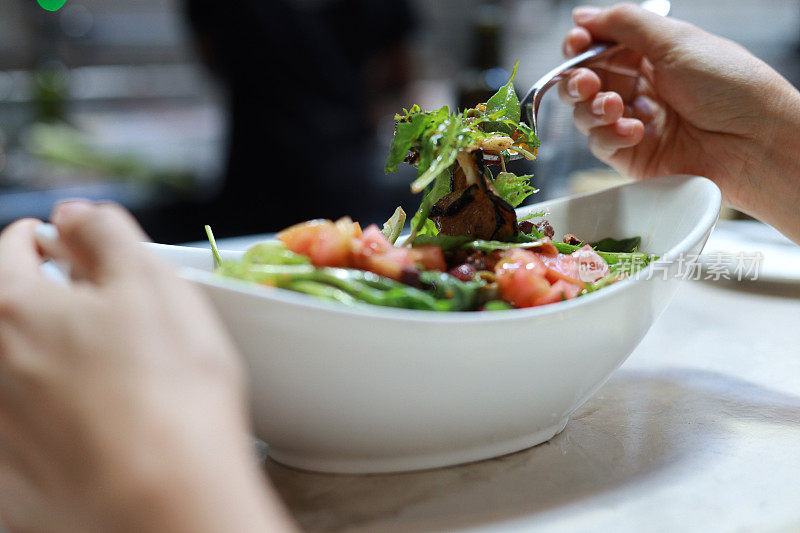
x,y
462,272
545,228
526,227
476,260
410,276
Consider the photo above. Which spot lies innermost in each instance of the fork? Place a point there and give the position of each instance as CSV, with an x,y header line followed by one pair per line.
x,y
600,50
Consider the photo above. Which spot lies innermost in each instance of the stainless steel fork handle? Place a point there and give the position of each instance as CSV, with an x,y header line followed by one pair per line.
x,y
530,104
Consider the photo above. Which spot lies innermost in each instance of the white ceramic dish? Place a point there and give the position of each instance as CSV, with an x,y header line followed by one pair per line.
x,y
370,390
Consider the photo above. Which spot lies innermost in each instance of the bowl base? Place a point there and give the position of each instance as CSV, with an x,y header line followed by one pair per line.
x,y
385,465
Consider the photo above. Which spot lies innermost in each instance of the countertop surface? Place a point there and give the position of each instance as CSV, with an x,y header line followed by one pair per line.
x,y
700,427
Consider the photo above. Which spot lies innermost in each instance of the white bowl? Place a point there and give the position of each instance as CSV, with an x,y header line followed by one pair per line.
x,y
336,389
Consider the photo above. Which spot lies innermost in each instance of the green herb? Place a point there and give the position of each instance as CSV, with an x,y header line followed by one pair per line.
x,y
213,243
512,188
505,104
636,259
497,305
439,153
349,286
436,192
445,242
461,295
393,227
273,253
617,245
436,137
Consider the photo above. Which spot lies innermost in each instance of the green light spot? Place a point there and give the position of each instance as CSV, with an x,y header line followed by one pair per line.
x,y
52,5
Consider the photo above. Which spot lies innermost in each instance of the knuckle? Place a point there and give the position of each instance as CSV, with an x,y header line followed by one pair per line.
x,y
578,116
109,214
623,13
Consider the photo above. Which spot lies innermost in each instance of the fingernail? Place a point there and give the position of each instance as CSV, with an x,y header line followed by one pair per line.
x,y
625,127
572,87
584,14
568,51
69,208
599,105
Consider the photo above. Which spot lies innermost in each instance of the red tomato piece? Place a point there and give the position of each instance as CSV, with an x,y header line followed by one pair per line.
x,y
326,243
563,264
520,277
430,257
375,253
560,290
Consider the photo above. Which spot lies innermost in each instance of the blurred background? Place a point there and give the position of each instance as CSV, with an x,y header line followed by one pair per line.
x,y
250,115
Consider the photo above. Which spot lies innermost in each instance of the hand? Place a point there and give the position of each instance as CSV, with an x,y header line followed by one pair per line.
x,y
680,100
121,396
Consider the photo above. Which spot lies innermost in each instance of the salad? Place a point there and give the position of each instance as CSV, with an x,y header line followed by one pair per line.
x,y
466,249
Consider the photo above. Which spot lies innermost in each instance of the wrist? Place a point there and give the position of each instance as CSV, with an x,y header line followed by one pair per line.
x,y
191,475
771,185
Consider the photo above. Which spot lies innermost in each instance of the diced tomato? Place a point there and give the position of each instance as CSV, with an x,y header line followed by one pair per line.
x,y
520,277
375,253
372,241
521,256
554,275
326,243
562,264
560,290
430,257
591,267
546,247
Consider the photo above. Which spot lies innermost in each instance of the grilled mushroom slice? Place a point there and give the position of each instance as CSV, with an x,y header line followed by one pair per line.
x,y
473,208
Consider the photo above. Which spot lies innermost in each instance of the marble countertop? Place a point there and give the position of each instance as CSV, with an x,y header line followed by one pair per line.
x,y
700,427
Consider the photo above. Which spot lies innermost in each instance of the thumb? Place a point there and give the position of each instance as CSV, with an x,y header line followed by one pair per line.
x,y
640,30
101,240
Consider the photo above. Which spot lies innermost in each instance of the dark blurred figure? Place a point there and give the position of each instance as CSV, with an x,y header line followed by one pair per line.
x,y
301,77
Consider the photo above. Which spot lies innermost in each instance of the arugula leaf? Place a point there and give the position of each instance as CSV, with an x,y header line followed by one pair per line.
x,y
490,246
530,216
505,104
404,138
617,245
273,253
435,193
393,227
411,127
512,188
459,295
635,259
445,242
497,305
448,139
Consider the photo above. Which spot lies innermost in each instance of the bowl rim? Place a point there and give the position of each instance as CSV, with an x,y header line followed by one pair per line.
x,y
707,220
